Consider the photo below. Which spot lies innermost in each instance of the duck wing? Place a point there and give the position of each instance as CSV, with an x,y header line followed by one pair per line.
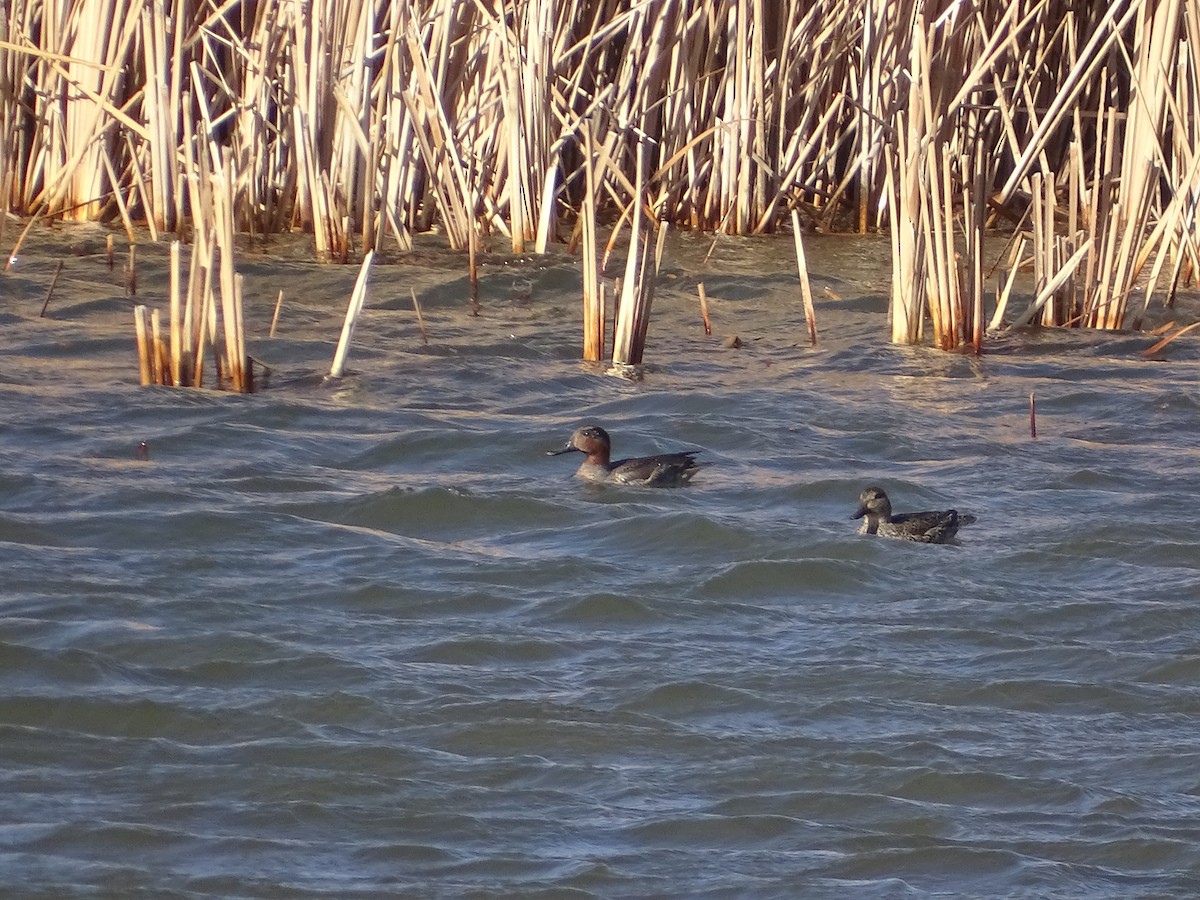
x,y
663,470
929,527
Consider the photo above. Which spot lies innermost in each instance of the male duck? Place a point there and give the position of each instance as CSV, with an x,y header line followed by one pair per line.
x,y
663,470
939,527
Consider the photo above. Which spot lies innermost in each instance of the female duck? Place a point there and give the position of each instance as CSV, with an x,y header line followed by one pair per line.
x,y
663,470
939,527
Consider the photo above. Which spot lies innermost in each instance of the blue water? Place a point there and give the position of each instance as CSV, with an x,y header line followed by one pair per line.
x,y
365,638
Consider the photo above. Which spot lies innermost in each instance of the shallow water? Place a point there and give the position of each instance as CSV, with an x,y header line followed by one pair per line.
x,y
366,638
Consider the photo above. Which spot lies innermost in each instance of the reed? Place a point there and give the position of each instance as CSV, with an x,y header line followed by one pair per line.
x,y
420,318
358,297
593,293
810,314
362,122
637,285
275,315
50,290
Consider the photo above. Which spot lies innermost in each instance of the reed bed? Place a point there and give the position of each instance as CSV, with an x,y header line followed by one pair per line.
x,y
364,122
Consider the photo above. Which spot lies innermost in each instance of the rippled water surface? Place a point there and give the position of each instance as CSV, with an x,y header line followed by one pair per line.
x,y
366,638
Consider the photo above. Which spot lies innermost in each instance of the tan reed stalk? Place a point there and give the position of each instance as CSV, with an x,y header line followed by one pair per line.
x,y
157,373
230,295
275,315
593,297
189,338
810,313
357,298
205,322
141,331
975,206
660,245
637,288
162,81
176,315
907,308
704,307
420,317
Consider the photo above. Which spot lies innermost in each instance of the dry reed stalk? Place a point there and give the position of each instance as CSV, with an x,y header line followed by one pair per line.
x,y
358,297
704,307
907,307
637,287
175,303
275,315
141,331
230,292
162,86
1151,351
50,290
204,309
420,317
1032,416
158,374
473,270
810,313
593,297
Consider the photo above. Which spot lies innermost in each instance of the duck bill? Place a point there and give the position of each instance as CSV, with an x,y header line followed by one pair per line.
x,y
569,448
862,511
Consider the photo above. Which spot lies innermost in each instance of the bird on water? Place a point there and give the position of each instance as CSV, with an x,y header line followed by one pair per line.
x,y
934,527
662,470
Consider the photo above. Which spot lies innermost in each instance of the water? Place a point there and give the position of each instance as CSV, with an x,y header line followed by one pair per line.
x,y
367,639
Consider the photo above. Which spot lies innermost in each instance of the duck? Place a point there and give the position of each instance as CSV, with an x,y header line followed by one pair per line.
x,y
663,470
940,527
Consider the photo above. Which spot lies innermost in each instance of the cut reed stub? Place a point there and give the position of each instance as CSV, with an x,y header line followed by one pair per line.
x,y
1032,416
